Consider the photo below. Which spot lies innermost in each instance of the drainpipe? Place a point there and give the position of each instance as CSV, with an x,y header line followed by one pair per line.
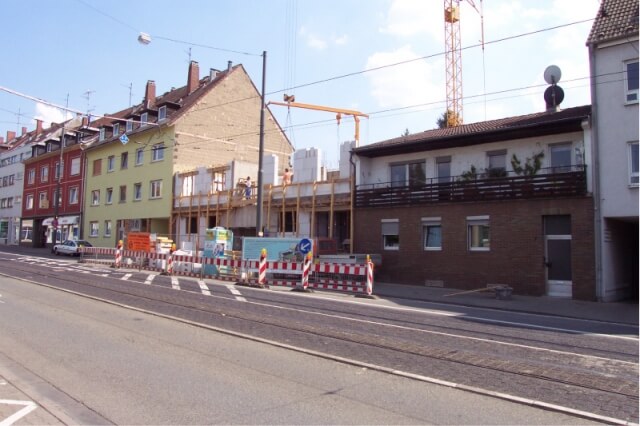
x,y
595,156
353,196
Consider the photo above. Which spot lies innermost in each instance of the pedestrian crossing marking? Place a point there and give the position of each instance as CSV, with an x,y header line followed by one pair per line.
x,y
126,277
204,288
174,283
149,279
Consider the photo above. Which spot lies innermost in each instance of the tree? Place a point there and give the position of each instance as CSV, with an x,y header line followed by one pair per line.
x,y
406,132
448,119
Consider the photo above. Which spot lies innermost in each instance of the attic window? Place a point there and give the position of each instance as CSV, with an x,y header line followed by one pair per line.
x,y
116,129
162,113
102,133
129,126
144,118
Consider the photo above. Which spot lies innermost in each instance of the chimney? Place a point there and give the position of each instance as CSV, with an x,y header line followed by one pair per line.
x,y
24,131
150,94
1,140
10,135
38,127
229,65
193,79
85,121
213,73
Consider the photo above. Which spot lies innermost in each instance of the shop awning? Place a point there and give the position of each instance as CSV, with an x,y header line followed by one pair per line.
x,y
63,220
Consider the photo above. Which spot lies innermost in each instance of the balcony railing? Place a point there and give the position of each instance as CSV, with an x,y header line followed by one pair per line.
x,y
548,183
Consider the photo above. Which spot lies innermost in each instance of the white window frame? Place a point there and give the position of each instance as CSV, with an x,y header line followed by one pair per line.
x,y
129,126
75,166
144,118
31,176
29,202
44,174
157,152
116,129
137,191
95,197
107,228
124,160
43,200
139,156
162,113
431,222
155,189
393,229
111,163
633,174
633,93
102,133
109,196
122,191
94,229
73,195
473,222
58,170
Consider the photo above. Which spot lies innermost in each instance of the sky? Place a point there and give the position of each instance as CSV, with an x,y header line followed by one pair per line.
x,y
384,58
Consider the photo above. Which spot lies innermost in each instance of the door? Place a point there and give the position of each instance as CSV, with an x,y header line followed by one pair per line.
x,y
557,258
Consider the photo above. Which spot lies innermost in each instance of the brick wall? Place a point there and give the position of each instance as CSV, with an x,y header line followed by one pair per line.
x,y
517,245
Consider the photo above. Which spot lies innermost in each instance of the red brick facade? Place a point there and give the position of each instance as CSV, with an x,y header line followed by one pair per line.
x,y
517,247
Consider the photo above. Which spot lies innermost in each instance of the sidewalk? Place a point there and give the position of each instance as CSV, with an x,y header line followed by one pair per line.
x,y
621,312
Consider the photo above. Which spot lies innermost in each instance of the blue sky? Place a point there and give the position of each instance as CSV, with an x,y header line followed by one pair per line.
x,y
52,49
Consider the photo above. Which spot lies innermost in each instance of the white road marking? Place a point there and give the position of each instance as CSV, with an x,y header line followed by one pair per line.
x,y
1,300
125,277
204,288
235,292
149,279
28,406
174,283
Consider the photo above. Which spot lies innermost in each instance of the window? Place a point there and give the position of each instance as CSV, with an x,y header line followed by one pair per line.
x,y
124,160
561,157
218,181
443,169
95,197
144,118
123,193
432,233
102,133
31,176
633,164
44,174
157,152
43,202
94,229
137,191
162,113
109,199
29,202
57,196
111,163
408,174
129,125
11,177
97,167
116,129
156,189
478,233
107,228
139,156
75,166
58,170
73,195
391,234
497,163
631,81
187,185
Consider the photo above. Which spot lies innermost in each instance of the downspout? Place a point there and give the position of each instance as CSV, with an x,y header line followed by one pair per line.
x,y
353,195
595,156
82,197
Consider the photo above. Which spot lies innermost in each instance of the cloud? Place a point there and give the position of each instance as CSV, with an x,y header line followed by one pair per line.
x,y
407,18
49,114
316,42
413,83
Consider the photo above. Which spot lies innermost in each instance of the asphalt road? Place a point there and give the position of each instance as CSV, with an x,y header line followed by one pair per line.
x,y
329,358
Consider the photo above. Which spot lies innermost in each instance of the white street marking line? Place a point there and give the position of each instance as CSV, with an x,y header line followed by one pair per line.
x,y
235,292
149,279
1,301
29,406
104,275
174,283
126,277
204,288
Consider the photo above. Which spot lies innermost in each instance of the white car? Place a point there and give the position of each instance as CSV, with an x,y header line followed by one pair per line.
x,y
70,247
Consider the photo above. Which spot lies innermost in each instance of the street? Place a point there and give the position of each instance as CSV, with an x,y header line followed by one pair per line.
x,y
145,348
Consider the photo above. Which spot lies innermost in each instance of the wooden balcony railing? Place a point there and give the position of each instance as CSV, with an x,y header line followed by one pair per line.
x,y
548,183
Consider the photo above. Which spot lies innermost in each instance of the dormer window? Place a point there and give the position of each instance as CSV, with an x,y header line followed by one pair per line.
x,y
49,147
116,129
129,125
144,118
162,113
102,133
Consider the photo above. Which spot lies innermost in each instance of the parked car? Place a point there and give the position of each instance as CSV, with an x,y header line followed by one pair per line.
x,y
70,247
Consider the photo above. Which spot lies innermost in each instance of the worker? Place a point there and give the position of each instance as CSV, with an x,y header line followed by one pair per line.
x,y
247,190
287,178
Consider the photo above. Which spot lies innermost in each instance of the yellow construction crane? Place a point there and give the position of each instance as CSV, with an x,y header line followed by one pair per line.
x,y
453,58
290,101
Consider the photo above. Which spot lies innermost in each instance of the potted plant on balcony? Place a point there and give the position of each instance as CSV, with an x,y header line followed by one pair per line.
x,y
467,180
531,168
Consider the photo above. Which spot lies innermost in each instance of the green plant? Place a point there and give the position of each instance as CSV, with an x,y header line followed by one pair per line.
x,y
531,167
469,175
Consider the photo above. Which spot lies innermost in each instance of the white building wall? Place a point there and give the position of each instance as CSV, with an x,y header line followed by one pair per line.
x,y
307,165
12,215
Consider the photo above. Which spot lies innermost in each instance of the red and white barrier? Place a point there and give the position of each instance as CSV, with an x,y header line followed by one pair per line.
x,y
118,259
305,271
369,282
262,269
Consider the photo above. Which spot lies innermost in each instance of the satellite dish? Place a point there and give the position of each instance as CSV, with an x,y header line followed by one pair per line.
x,y
552,74
553,96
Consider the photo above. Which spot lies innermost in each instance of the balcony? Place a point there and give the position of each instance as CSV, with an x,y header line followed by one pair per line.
x,y
548,183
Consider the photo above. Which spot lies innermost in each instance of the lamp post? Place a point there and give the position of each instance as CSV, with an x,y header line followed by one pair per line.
x,y
56,205
259,232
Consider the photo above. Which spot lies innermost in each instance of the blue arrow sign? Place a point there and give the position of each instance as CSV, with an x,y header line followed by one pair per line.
x,y
305,245
124,139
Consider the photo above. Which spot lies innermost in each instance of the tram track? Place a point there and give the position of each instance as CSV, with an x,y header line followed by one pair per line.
x,y
406,350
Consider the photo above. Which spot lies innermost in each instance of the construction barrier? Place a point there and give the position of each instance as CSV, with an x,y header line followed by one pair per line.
x,y
306,274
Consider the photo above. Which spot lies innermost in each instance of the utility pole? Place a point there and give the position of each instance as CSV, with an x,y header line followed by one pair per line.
x,y
261,148
56,208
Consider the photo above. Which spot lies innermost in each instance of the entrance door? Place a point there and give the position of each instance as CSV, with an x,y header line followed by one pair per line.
x,y
557,238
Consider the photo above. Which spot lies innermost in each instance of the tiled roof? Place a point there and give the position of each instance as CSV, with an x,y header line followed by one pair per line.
x,y
536,124
615,19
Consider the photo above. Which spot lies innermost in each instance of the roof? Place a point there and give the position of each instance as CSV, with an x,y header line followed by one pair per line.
x,y
531,125
615,19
